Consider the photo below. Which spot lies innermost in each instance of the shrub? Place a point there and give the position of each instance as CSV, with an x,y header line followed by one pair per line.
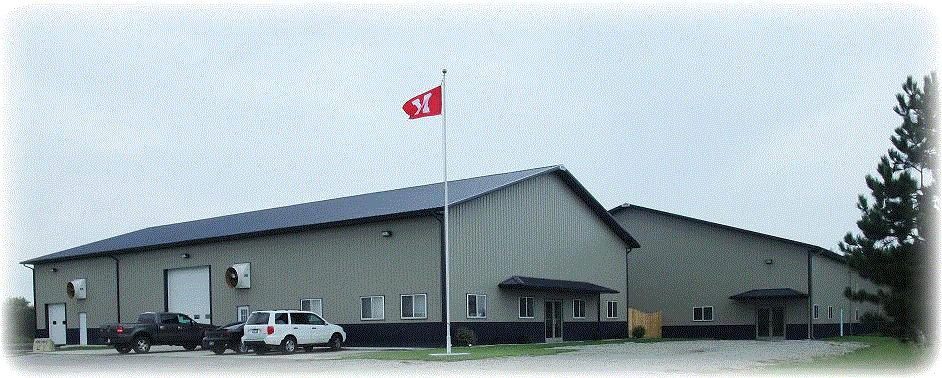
x,y
637,332
464,336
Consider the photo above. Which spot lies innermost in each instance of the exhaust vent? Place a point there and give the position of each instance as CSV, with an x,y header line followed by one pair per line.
x,y
76,288
239,276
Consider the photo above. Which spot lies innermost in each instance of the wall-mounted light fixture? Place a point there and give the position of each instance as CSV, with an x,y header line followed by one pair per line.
x,y
185,255
53,270
387,233
768,261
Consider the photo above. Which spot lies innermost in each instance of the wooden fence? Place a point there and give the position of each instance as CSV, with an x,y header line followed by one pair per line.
x,y
651,322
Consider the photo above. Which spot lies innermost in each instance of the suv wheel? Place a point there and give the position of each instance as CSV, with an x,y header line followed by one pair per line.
x,y
335,342
141,344
289,345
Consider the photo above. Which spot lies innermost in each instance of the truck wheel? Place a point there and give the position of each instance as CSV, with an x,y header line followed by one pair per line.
x,y
335,342
219,348
123,349
241,348
141,344
288,345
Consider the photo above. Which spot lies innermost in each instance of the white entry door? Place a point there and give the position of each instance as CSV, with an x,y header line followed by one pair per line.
x,y
83,328
56,322
188,293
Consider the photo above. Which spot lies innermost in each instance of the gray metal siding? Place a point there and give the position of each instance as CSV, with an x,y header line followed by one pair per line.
x,y
99,304
537,228
683,264
338,265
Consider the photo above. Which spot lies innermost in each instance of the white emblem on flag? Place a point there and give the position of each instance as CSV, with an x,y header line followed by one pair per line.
x,y
421,106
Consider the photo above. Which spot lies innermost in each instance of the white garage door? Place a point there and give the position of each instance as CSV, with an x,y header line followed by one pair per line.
x,y
188,292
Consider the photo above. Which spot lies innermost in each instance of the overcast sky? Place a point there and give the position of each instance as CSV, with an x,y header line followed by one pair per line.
x,y
760,117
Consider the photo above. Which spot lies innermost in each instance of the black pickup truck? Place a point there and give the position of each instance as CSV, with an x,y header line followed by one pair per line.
x,y
154,328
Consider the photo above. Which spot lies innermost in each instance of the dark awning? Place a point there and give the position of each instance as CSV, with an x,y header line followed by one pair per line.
x,y
545,284
769,294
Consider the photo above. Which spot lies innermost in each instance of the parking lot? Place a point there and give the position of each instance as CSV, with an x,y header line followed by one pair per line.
x,y
711,357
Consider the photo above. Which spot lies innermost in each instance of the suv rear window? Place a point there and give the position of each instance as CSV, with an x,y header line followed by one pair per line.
x,y
258,318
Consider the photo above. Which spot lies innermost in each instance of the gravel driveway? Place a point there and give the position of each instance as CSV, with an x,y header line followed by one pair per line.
x,y
706,357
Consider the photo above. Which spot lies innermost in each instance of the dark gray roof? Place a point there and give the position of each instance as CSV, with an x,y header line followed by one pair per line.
x,y
823,252
769,294
546,284
388,204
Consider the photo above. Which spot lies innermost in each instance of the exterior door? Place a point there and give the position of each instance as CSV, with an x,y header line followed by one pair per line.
x,y
554,321
56,314
770,323
321,333
83,328
188,293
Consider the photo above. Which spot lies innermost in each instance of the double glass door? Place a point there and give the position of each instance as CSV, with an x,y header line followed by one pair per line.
x,y
770,323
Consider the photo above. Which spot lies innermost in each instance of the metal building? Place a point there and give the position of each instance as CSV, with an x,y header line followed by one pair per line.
x,y
715,281
534,258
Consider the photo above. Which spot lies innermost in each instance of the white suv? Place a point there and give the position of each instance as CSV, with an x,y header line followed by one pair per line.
x,y
288,329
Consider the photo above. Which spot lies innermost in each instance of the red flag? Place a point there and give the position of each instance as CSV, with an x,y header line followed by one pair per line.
x,y
425,104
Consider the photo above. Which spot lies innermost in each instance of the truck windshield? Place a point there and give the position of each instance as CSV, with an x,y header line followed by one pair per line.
x,y
258,318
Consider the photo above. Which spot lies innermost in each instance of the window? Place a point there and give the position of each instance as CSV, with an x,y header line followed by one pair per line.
x,y
830,312
281,318
815,312
857,314
315,305
526,308
703,314
258,318
578,308
169,319
315,320
477,306
373,308
413,306
300,318
146,318
612,309
243,312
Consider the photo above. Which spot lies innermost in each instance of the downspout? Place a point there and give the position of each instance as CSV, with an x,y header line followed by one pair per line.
x,y
117,288
810,300
441,238
627,296
34,300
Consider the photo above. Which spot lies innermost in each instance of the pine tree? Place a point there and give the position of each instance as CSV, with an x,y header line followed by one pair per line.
x,y
898,227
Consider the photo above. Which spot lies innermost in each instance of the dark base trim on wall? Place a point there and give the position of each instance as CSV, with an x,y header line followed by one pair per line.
x,y
748,331
72,335
431,334
723,332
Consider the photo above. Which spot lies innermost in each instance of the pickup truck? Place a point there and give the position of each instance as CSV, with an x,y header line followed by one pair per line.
x,y
154,328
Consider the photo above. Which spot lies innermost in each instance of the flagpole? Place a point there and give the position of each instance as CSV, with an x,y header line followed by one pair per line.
x,y
447,257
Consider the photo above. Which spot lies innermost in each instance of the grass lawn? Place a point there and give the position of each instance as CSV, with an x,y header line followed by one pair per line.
x,y
885,355
483,351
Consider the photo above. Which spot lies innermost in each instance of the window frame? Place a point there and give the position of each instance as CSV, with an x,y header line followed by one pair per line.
x,y
611,306
239,313
703,312
319,300
815,313
575,315
382,314
477,303
402,309
520,306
